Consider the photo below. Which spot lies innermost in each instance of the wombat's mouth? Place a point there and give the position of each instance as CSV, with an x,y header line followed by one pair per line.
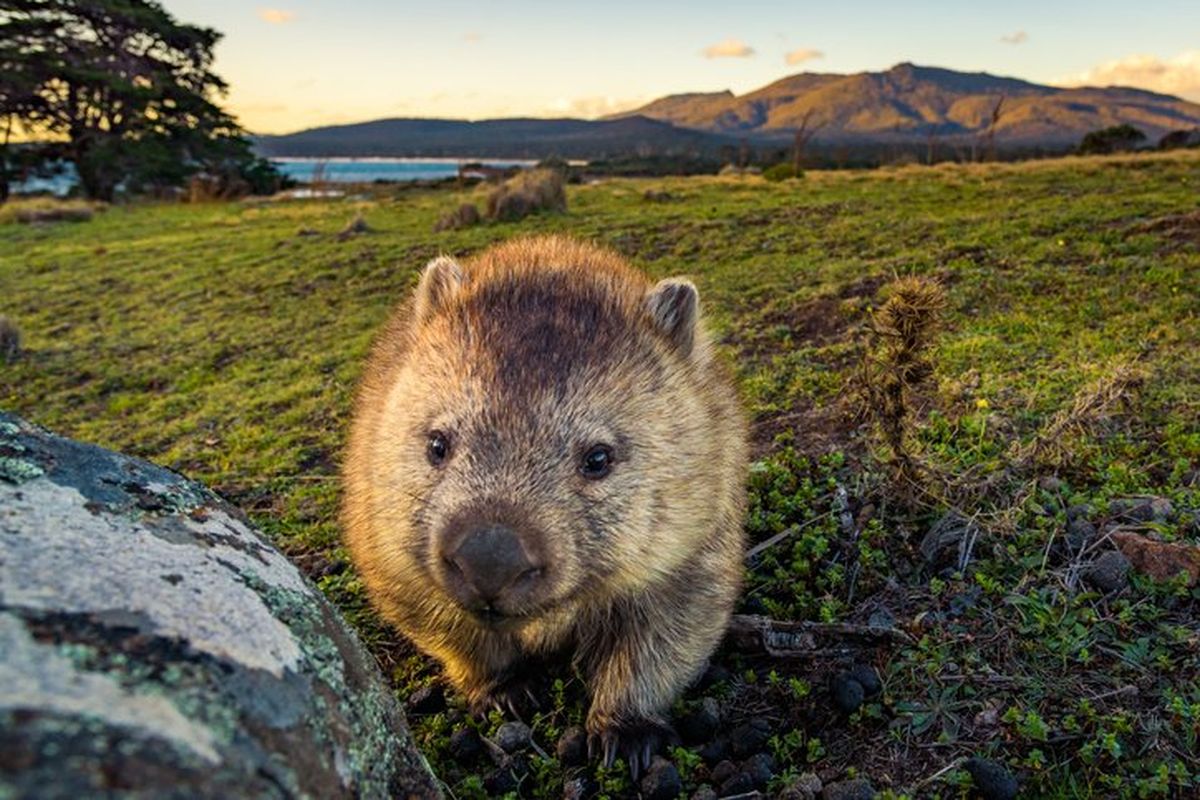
x,y
495,619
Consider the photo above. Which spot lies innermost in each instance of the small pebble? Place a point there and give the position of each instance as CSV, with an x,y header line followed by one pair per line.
x,y
866,675
882,618
715,751
738,784
705,792
466,745
500,782
572,747
858,789
427,700
806,787
847,693
1081,511
699,724
661,781
992,779
513,737
748,739
1109,572
723,772
760,768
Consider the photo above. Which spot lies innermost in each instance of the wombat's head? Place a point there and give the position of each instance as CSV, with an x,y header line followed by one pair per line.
x,y
544,438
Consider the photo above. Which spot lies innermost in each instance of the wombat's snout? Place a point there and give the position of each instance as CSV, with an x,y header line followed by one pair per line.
x,y
490,570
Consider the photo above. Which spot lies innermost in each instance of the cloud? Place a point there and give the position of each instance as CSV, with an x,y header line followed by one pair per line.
x,y
1016,37
593,107
730,48
276,16
802,55
1179,75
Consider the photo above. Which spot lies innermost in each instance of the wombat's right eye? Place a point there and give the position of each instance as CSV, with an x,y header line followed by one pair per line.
x,y
437,449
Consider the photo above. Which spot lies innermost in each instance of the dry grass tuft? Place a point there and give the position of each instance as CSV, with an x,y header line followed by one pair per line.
x,y
897,363
528,193
465,216
35,210
1116,391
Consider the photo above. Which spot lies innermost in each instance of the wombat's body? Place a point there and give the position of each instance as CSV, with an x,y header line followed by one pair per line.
x,y
546,457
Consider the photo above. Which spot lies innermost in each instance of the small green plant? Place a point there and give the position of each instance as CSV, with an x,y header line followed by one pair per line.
x,y
782,172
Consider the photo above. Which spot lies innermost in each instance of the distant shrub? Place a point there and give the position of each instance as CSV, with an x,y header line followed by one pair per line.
x,y
10,340
464,216
47,209
1179,139
782,172
1116,139
528,193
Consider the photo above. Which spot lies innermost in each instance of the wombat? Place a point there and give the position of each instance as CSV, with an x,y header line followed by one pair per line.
x,y
547,457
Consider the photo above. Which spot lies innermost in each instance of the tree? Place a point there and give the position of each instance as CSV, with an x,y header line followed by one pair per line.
x,y
119,88
1115,139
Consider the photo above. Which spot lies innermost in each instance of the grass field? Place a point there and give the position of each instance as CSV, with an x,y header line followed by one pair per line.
x,y
224,341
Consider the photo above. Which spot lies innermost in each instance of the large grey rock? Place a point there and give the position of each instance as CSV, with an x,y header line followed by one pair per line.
x,y
152,644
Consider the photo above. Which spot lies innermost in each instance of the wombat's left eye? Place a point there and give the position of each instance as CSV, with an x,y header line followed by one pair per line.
x,y
597,462
437,449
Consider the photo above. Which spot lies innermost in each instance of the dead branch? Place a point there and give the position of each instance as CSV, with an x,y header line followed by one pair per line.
x,y
748,633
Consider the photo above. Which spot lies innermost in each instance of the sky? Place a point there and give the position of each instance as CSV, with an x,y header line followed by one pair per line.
x,y
295,64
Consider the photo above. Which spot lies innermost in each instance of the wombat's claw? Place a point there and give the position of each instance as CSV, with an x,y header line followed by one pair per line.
x,y
635,742
515,698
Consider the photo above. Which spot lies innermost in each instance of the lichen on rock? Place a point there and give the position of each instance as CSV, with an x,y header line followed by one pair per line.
x,y
156,645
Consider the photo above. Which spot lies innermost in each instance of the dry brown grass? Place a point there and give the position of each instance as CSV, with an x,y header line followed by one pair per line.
x,y
897,363
528,193
35,210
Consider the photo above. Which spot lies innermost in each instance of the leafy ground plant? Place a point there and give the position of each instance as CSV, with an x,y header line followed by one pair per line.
x,y
1059,410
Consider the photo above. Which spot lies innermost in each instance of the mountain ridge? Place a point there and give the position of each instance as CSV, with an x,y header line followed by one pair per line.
x,y
910,102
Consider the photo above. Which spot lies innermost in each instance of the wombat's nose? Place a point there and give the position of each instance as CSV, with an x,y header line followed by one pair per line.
x,y
491,560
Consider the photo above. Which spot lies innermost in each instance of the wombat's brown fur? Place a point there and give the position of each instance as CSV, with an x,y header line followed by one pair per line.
x,y
547,457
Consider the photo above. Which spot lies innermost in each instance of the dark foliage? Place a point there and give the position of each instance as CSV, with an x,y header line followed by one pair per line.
x,y
122,91
1116,139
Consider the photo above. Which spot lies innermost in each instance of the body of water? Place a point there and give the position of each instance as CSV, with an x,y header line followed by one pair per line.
x,y
367,170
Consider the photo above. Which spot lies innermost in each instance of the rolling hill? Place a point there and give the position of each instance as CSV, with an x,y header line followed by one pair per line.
x,y
910,102
497,138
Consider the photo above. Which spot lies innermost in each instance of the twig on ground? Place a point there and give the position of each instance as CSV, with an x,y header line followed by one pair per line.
x,y
754,552
779,639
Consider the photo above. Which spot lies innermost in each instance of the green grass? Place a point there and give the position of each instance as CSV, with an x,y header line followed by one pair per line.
x,y
216,340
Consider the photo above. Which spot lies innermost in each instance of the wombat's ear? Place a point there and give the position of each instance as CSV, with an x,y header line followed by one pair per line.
x,y
674,306
439,282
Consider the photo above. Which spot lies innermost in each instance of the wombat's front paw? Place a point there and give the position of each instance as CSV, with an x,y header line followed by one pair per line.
x,y
514,696
635,741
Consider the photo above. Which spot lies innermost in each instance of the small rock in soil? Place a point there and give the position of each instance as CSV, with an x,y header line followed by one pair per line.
x,y
882,618
847,693
1082,511
580,789
701,723
572,747
806,787
741,783
500,782
993,780
748,739
715,751
466,745
723,772
858,789
1109,572
513,737
1080,532
705,792
661,781
1160,560
760,768
1144,509
427,700
866,675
